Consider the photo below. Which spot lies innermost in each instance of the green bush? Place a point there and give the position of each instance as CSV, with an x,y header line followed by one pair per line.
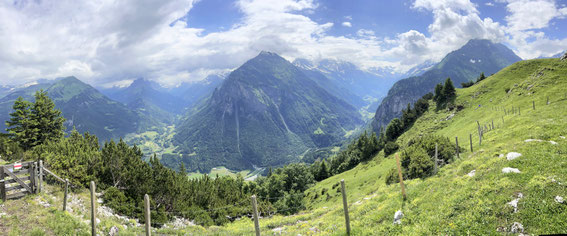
x,y
416,163
390,148
392,176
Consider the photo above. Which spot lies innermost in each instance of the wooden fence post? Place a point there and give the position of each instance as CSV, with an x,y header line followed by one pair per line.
x,y
148,215
345,207
548,100
533,104
255,211
401,177
493,124
519,111
40,176
470,139
2,185
436,159
33,182
457,143
65,196
93,208
480,139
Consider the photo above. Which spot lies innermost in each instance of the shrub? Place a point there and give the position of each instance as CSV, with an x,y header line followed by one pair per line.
x,y
390,148
416,163
467,84
392,176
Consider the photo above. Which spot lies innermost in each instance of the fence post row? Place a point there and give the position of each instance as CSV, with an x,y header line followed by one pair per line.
x,y
345,207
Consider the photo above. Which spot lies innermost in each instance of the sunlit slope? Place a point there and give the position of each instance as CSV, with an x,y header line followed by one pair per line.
x,y
451,202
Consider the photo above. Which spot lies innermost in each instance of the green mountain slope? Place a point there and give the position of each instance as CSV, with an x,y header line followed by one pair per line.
x,y
266,113
83,107
461,65
451,202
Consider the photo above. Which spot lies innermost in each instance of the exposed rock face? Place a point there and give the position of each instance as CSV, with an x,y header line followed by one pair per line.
x,y
517,228
564,57
490,58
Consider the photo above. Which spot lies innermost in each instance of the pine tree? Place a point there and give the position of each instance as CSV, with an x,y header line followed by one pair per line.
x,y
438,97
481,77
449,92
46,121
19,125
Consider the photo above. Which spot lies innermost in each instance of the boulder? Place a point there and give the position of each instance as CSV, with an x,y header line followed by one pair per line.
x,y
507,170
513,155
472,173
113,231
559,199
517,228
398,217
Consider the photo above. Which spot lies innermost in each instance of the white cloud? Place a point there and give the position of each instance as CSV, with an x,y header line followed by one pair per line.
x,y
107,42
490,4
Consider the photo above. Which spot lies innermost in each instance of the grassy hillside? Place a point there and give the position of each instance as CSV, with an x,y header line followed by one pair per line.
x,y
451,202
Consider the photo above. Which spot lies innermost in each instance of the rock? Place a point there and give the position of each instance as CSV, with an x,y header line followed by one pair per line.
x,y
398,217
564,57
314,229
559,199
562,137
533,140
278,230
553,142
472,173
2,214
507,170
113,231
514,204
517,228
501,155
512,155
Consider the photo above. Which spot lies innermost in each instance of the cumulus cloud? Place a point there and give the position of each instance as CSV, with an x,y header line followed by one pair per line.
x,y
110,42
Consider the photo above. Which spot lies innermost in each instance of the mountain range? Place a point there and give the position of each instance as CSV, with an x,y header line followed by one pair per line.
x,y
84,108
266,113
462,65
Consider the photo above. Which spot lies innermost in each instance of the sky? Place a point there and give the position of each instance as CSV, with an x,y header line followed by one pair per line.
x,y
111,42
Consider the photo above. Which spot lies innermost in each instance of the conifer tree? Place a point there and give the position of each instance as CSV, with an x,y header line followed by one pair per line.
x,y
449,92
46,121
19,125
438,97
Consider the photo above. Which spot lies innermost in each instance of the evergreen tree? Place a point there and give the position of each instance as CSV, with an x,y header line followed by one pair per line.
x,y
438,96
19,125
481,77
394,129
46,121
449,91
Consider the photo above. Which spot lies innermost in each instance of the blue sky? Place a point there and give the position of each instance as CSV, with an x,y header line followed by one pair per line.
x,y
110,42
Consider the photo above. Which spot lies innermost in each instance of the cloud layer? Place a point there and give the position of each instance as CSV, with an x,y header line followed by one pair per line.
x,y
104,42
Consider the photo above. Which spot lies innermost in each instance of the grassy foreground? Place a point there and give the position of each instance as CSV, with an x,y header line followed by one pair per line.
x,y
448,203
